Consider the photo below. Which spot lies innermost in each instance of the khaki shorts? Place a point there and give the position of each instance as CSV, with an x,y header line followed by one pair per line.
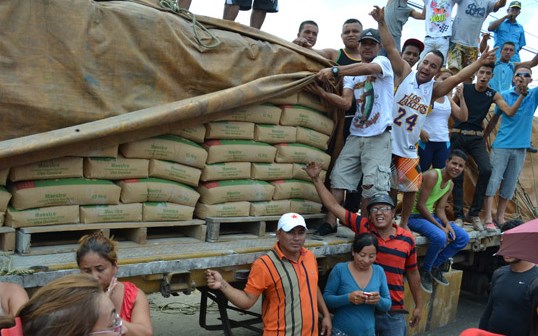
x,y
460,56
368,157
406,175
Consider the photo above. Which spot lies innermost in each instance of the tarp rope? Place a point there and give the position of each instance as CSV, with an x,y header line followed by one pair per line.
x,y
196,26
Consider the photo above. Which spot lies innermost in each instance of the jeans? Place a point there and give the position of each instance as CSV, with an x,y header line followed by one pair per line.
x,y
390,324
438,251
476,147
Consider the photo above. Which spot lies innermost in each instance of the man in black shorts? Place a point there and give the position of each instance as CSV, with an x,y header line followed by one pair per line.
x,y
259,9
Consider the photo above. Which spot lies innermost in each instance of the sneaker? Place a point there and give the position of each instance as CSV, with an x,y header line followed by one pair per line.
x,y
476,222
491,227
426,280
325,229
532,149
459,222
438,276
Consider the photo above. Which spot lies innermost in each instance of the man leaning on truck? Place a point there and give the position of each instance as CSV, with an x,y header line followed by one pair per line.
x,y
287,276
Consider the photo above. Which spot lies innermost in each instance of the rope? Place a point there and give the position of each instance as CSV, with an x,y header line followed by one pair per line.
x,y
172,5
6,266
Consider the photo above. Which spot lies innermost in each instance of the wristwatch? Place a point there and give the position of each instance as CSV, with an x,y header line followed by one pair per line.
x,y
335,70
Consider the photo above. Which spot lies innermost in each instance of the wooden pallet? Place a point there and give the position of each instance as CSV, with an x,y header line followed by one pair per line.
x,y
60,238
7,239
255,225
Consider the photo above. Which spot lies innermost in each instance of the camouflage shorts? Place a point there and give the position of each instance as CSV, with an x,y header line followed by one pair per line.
x,y
460,56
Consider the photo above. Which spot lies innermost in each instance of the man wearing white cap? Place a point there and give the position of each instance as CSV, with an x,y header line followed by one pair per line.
x,y
287,276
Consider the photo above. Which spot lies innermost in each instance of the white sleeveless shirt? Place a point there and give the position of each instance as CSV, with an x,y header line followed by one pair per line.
x,y
411,106
436,123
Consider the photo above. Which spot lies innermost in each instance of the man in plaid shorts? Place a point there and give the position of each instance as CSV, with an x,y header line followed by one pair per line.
x,y
259,9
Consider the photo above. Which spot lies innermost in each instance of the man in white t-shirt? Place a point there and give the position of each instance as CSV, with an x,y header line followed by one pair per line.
x,y
438,26
366,152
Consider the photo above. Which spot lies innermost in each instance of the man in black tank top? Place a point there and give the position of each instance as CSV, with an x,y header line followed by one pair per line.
x,y
469,136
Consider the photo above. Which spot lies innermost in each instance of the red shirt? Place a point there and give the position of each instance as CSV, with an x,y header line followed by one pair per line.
x,y
396,255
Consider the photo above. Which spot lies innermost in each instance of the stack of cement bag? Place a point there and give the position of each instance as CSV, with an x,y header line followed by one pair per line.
x,y
174,162
5,196
54,192
255,160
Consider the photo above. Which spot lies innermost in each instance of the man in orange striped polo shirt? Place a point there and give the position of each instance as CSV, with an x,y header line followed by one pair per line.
x,y
287,276
396,253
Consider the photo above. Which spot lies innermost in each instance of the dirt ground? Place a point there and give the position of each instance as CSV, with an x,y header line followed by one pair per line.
x,y
177,316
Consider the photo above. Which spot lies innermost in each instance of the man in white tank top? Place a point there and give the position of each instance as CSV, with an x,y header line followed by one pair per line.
x,y
415,92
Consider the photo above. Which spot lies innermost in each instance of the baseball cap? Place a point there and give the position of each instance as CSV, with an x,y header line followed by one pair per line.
x,y
290,220
515,4
414,42
380,199
370,33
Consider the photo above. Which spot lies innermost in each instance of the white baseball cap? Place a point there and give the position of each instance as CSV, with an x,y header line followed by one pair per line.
x,y
290,220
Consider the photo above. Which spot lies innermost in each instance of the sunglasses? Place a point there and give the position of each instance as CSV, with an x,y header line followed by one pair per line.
x,y
523,74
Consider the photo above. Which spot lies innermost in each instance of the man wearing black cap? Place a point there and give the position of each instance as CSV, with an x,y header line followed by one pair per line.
x,y
507,29
411,51
397,252
366,152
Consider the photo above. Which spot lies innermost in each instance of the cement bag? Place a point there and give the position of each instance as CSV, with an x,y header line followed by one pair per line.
x,y
226,171
269,208
115,168
2,218
3,176
65,214
167,147
275,133
286,189
300,174
51,169
5,196
296,115
73,191
302,98
260,114
173,171
157,190
195,133
312,138
235,191
299,153
230,209
271,171
166,211
111,213
109,152
239,151
303,206
238,130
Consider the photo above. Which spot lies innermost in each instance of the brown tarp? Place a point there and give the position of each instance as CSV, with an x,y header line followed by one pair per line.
x,y
79,74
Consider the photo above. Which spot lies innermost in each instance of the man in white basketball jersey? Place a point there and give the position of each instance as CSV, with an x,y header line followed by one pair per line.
x,y
415,91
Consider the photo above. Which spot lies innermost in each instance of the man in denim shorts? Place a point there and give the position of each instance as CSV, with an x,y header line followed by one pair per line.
x,y
510,145
259,9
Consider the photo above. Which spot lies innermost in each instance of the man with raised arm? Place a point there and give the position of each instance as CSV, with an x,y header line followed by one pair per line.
x,y
397,253
416,90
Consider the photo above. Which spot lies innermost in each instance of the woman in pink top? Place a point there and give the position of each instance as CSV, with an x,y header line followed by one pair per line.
x,y
96,255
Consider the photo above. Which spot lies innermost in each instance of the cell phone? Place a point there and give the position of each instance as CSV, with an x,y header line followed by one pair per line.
x,y
451,235
367,293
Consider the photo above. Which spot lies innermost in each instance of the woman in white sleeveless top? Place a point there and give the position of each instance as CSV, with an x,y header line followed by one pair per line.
x,y
434,143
